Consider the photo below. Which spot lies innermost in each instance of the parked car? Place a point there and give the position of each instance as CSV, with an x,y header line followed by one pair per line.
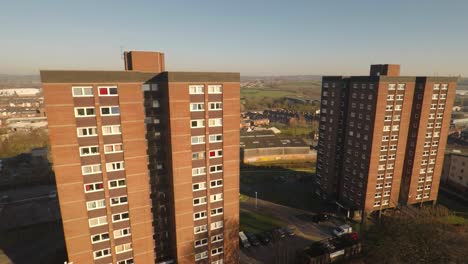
x,y
264,238
342,229
279,233
289,230
253,239
243,240
320,218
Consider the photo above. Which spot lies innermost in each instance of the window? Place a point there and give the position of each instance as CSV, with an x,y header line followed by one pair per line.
x,y
126,261
199,186
217,211
97,204
97,221
216,106
395,127
378,195
216,225
89,151
199,200
200,229
82,91
199,215
401,86
217,238
215,122
201,242
91,169
216,138
119,217
216,251
84,111
99,237
107,90
111,130
156,104
195,107
110,110
202,255
216,183
123,248
113,148
444,86
197,123
435,96
215,89
443,96
399,97
102,253
198,155
390,97
117,184
216,197
216,153
122,232
198,140
199,171
216,168
93,187
115,166
391,86
86,131
118,200
196,89
377,203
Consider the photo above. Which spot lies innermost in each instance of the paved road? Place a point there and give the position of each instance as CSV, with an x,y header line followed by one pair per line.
x,y
284,250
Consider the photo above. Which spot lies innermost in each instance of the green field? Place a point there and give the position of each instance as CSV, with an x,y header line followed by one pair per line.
x,y
253,92
254,222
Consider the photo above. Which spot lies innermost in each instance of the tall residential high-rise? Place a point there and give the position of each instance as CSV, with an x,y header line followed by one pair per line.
x,y
146,162
382,138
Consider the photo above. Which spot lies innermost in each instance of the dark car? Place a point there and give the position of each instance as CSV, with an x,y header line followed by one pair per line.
x,y
289,231
264,238
279,233
253,239
320,218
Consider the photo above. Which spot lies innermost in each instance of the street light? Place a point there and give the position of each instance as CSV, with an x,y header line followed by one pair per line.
x,y
256,200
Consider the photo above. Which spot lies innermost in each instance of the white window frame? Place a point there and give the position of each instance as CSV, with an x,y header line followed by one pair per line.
x,y
200,215
196,89
215,122
214,138
217,225
110,165
85,115
218,153
202,242
88,129
200,229
90,151
113,148
118,184
101,203
199,171
110,107
216,106
217,183
216,168
121,219
113,129
119,232
216,197
200,201
82,88
93,167
217,238
108,90
119,202
108,250
197,107
199,184
101,220
125,248
215,89
217,251
94,186
201,255
198,154
198,125
100,238
217,211
197,140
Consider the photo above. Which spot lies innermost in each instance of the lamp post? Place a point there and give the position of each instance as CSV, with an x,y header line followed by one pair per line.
x,y
256,201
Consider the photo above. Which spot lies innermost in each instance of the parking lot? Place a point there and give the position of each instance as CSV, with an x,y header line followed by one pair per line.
x,y
283,250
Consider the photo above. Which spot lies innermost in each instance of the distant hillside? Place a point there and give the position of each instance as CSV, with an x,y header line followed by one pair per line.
x,y
19,81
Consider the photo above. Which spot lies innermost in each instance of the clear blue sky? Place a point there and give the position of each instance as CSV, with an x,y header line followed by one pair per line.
x,y
253,37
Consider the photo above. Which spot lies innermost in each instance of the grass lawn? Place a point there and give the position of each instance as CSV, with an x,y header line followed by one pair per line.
x,y
455,220
254,92
254,222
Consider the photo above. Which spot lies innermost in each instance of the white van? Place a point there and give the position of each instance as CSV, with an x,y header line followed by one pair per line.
x,y
243,239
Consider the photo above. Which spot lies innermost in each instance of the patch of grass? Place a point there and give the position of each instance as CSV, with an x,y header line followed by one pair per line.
x,y
455,220
254,222
265,93
243,198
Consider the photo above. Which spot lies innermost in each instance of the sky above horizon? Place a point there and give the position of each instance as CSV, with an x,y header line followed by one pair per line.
x,y
251,37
